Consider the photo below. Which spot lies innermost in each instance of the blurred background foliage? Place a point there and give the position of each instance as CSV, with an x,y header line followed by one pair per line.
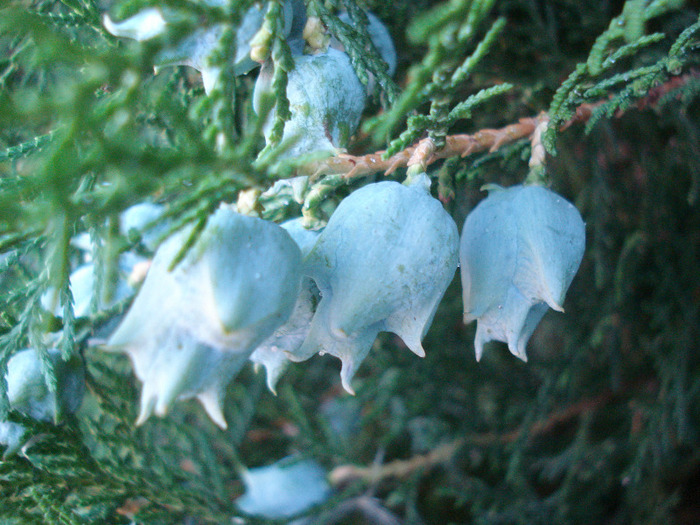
x,y
601,425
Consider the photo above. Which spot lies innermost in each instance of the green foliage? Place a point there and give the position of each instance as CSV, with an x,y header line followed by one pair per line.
x,y
600,426
442,72
282,64
596,79
357,43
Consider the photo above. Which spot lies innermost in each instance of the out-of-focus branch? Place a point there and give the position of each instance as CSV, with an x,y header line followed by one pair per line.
x,y
444,453
395,469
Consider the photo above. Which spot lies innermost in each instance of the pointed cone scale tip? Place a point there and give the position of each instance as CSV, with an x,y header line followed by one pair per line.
x,y
272,384
346,373
218,418
412,342
479,341
212,406
271,380
555,306
518,351
142,26
417,349
347,387
272,375
146,410
162,408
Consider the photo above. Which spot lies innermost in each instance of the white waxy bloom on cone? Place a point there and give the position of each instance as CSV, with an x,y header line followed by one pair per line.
x,y
196,49
146,220
382,263
190,329
184,369
82,284
28,392
12,437
326,100
284,489
381,38
144,25
129,270
519,252
274,352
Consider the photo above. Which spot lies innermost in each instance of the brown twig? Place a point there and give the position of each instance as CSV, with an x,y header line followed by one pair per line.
x,y
399,468
425,153
371,511
404,467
